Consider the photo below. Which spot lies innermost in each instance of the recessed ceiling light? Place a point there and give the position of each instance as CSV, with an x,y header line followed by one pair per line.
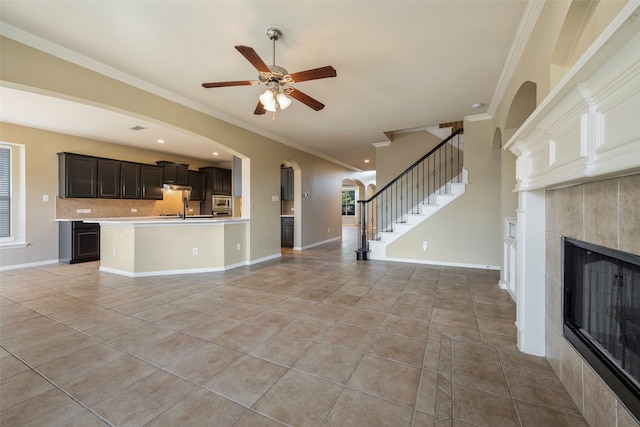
x,y
161,141
366,160
476,105
215,153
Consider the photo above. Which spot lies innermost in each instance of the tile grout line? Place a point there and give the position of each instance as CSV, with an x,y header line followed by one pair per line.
x,y
56,386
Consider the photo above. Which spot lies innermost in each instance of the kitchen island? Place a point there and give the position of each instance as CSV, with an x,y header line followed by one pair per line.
x,y
153,246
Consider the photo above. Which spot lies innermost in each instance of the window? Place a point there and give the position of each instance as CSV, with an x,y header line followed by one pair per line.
x,y
5,191
348,202
12,196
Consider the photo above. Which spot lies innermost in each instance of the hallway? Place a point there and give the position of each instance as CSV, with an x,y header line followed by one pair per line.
x,y
312,338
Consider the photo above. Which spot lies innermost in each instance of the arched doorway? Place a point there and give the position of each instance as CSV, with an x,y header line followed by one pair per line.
x,y
352,191
290,204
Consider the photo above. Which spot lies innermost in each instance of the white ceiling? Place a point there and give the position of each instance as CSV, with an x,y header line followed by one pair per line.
x,y
400,65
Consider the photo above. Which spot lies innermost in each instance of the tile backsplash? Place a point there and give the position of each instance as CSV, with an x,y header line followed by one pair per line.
x,y
109,208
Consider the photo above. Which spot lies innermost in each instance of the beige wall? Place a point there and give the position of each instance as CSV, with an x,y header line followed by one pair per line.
x,y
603,213
31,69
401,153
468,230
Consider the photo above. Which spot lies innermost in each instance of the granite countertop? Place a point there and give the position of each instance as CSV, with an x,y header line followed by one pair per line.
x,y
168,219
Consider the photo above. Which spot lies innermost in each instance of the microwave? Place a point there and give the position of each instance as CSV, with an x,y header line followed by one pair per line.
x,y
221,203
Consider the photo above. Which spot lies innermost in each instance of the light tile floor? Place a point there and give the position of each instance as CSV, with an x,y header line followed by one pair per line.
x,y
313,338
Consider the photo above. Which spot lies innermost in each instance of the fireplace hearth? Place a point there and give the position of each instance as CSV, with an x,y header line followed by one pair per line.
x,y
601,313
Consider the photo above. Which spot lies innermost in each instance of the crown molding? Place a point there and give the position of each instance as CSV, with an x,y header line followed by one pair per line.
x,y
525,28
478,117
381,144
61,52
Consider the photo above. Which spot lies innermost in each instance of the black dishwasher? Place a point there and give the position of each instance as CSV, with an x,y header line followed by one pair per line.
x,y
79,242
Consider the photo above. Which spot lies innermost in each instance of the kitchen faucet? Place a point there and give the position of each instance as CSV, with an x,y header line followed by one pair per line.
x,y
185,204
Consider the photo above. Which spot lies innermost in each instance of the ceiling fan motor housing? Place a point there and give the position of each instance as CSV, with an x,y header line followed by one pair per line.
x,y
274,33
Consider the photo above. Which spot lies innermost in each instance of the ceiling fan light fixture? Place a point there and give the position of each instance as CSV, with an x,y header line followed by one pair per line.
x,y
268,100
279,94
283,100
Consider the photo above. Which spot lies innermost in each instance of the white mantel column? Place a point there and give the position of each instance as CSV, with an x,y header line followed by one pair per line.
x,y
530,309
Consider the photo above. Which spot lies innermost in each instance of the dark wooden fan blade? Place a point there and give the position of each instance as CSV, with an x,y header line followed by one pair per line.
x,y
314,74
259,109
225,84
306,100
253,57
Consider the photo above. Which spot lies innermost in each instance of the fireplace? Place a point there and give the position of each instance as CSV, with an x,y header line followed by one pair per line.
x,y
601,313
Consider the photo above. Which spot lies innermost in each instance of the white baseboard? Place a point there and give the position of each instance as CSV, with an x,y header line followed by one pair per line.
x,y
28,265
444,263
298,248
264,259
161,272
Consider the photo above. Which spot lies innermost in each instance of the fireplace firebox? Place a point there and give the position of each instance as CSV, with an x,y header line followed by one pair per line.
x,y
601,313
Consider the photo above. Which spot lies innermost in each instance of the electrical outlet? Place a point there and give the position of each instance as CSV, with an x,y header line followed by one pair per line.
x,y
238,246
195,251
134,210
45,197
190,210
425,245
79,210
87,211
115,251
329,230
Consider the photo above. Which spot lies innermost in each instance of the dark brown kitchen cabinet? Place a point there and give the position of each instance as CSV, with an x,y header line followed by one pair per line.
x,y
77,175
197,184
286,230
151,182
222,182
108,179
218,181
78,242
130,180
175,173
286,184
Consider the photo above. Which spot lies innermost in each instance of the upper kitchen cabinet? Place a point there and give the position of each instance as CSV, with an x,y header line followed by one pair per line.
x,y
108,179
286,183
175,173
78,175
197,184
151,177
218,181
130,187
222,182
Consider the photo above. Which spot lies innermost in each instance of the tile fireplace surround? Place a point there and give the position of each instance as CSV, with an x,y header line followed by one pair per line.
x,y
603,213
578,175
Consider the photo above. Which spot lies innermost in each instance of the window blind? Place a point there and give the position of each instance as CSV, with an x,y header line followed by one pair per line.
x,y
5,192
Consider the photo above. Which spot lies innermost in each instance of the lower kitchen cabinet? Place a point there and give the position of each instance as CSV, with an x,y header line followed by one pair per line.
x,y
78,242
286,229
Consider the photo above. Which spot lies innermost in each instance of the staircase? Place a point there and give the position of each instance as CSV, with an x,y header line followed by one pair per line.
x,y
426,187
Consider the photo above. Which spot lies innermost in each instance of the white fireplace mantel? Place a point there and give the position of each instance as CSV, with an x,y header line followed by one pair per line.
x,y
587,128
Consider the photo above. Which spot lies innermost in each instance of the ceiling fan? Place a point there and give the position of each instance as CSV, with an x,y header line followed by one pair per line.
x,y
278,80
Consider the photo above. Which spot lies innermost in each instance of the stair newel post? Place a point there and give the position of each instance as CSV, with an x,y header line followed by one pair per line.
x,y
361,253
